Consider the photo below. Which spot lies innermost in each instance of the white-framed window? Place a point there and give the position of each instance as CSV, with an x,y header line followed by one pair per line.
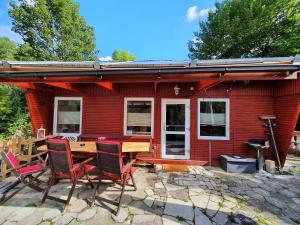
x,y
138,116
67,116
213,118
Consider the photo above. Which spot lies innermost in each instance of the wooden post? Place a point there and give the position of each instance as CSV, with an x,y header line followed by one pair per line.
x,y
14,145
30,144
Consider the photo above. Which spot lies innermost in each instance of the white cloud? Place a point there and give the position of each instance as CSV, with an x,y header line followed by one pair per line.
x,y
194,13
105,59
5,30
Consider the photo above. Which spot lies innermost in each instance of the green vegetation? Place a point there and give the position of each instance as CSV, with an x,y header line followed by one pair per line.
x,y
248,28
122,56
8,48
262,220
180,219
53,30
14,114
31,205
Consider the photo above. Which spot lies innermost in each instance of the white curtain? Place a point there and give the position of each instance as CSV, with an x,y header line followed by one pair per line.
x,y
216,119
68,117
139,119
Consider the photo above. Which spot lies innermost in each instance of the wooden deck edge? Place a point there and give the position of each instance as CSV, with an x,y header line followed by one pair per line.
x,y
172,161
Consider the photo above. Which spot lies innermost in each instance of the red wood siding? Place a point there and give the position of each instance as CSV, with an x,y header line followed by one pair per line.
x,y
103,111
40,106
287,111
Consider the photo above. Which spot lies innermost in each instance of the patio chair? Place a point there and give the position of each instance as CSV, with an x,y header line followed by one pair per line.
x,y
70,138
111,164
24,173
62,167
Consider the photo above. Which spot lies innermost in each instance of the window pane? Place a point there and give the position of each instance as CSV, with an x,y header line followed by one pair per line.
x,y
213,118
68,116
175,144
139,117
175,117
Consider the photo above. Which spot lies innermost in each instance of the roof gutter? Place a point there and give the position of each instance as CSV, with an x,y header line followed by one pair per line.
x,y
166,71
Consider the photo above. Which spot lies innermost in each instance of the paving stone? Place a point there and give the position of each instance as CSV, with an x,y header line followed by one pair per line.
x,y
275,202
169,220
76,205
138,195
159,203
51,214
200,201
65,219
216,198
296,200
149,191
229,198
149,201
22,213
220,218
86,214
159,185
146,220
229,204
262,192
212,208
137,207
45,223
288,193
121,216
180,194
161,192
175,207
201,219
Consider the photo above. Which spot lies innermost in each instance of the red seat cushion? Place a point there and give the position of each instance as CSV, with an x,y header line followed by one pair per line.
x,y
30,169
80,169
133,169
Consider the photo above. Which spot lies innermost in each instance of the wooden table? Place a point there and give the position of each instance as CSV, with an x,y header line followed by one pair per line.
x,y
90,147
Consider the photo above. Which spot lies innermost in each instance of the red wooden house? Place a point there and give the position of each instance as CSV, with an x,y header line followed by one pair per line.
x,y
194,110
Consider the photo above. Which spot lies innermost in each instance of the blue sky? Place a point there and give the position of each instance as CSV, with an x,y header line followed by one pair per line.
x,y
152,30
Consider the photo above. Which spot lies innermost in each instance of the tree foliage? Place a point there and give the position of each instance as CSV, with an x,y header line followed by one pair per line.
x,y
7,48
13,112
53,30
122,56
248,28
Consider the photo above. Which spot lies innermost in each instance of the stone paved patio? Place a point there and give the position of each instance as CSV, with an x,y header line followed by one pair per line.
x,y
204,196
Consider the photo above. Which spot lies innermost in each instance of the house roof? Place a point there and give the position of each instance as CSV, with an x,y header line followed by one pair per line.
x,y
276,66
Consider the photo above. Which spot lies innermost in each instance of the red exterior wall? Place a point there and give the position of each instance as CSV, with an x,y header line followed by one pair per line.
x,y
103,111
287,111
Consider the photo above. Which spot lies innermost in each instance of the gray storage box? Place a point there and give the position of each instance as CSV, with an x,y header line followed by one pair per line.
x,y
238,164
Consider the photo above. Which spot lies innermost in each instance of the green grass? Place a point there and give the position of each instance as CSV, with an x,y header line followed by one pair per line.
x,y
31,205
262,220
180,219
295,220
221,205
297,170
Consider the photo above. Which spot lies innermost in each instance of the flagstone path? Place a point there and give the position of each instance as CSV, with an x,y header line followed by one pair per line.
x,y
204,196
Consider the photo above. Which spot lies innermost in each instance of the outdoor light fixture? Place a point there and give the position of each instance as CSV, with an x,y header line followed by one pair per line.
x,y
176,90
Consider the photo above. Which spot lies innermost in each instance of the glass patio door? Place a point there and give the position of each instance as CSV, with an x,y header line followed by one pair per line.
x,y
175,139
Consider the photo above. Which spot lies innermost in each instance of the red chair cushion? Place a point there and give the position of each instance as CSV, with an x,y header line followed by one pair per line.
x,y
80,170
12,159
30,169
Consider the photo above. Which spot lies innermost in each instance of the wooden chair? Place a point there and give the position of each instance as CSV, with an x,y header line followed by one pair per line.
x,y
70,138
62,167
25,172
110,162
18,149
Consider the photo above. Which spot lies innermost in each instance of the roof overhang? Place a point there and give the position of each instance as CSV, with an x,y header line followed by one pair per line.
x,y
151,71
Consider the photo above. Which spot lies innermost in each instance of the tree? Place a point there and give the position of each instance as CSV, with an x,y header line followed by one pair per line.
x,y
7,49
53,29
122,56
248,28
